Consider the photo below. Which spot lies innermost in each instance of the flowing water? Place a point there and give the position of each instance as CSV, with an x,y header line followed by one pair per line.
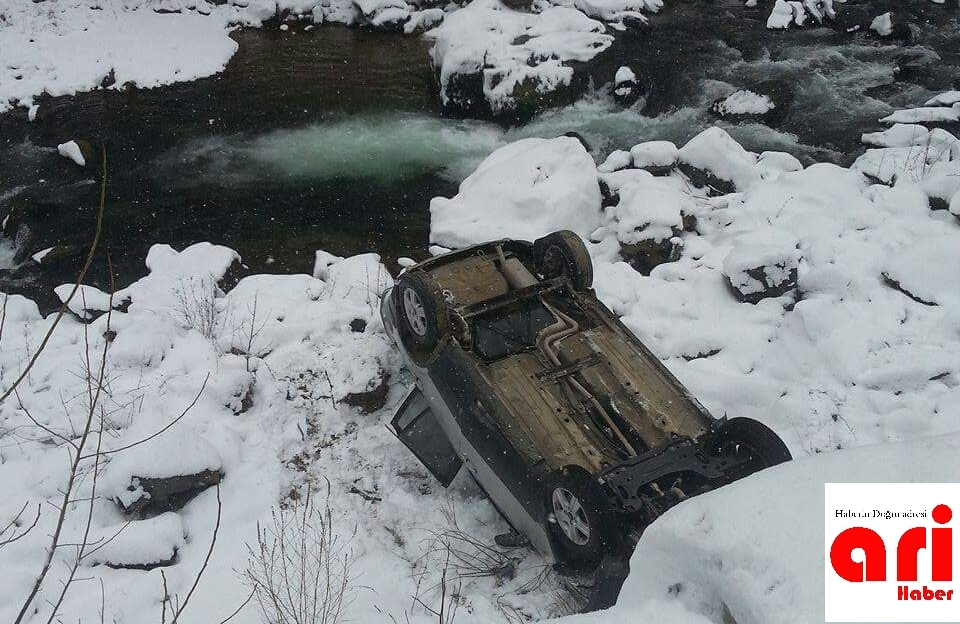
x,y
333,139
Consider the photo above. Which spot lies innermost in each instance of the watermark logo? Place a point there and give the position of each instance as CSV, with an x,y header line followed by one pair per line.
x,y
890,552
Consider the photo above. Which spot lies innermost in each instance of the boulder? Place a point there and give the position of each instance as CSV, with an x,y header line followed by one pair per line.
x,y
495,62
523,190
153,495
373,397
648,221
765,102
714,159
626,87
762,264
657,157
141,545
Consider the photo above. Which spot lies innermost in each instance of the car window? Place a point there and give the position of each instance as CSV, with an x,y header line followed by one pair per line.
x,y
417,427
510,330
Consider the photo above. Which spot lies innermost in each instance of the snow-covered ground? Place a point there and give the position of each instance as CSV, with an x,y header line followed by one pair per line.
x,y
857,343
752,552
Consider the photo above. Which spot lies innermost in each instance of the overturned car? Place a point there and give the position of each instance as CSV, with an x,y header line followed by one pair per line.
x,y
576,431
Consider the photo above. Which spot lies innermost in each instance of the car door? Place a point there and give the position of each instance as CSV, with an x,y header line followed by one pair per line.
x,y
417,427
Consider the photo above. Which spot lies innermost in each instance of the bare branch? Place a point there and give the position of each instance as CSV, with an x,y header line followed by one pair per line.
x,y
11,540
76,286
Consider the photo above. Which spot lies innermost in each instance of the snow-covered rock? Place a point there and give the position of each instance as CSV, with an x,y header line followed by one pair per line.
x,y
924,114
899,135
763,264
143,544
648,220
947,98
743,103
491,60
71,150
928,272
626,86
713,157
524,190
617,160
654,156
785,14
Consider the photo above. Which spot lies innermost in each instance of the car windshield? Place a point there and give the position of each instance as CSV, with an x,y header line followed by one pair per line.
x,y
511,329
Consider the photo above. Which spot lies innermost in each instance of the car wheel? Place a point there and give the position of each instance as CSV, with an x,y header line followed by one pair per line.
x,y
563,253
751,440
423,314
578,517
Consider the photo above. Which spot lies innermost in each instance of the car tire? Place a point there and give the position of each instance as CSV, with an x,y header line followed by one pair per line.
x,y
578,517
563,253
422,314
747,435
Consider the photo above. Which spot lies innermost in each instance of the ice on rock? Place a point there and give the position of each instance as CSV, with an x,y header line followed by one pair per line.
x,y
523,190
71,150
716,153
763,263
654,154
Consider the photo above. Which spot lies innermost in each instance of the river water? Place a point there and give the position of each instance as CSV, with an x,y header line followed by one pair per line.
x,y
332,139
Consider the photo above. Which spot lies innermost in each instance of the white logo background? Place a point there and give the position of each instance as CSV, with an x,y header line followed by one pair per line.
x,y
874,601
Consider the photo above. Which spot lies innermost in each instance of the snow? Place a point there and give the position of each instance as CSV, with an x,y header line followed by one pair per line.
x,y
618,159
624,74
774,251
649,209
654,154
883,24
785,14
715,151
745,102
524,190
512,48
32,112
142,543
61,48
40,255
948,98
929,271
924,114
71,150
753,549
899,135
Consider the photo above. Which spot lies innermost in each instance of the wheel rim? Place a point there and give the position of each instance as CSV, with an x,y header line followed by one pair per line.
x,y
571,516
416,315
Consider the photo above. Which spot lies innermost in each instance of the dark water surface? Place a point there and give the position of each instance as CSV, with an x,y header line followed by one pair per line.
x,y
332,139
